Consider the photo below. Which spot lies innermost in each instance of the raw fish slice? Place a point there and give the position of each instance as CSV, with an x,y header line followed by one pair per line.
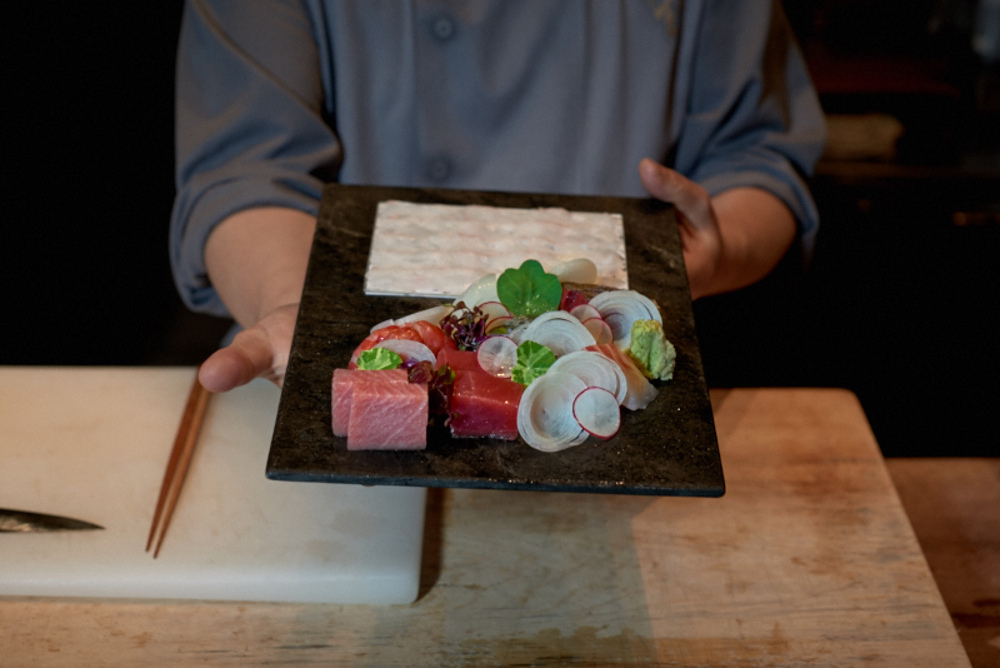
x,y
388,416
344,381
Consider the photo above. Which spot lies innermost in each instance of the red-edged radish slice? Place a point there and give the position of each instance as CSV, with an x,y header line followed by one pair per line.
x,y
597,411
545,414
599,329
621,308
497,356
584,311
496,314
408,349
579,270
558,331
595,369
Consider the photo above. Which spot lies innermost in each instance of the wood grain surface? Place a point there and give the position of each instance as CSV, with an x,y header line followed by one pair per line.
x,y
808,559
954,506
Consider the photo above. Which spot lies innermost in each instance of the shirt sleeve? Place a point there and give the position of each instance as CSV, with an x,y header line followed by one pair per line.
x,y
250,125
752,116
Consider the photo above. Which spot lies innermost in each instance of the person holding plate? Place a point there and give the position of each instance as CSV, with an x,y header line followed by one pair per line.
x,y
703,104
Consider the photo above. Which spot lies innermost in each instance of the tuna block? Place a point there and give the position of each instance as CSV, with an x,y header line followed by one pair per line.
x,y
388,416
458,359
344,381
484,406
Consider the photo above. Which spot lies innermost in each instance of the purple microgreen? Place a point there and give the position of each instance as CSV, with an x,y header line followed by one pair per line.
x,y
465,326
440,383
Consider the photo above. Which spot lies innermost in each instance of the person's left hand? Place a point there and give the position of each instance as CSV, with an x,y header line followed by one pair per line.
x,y
701,238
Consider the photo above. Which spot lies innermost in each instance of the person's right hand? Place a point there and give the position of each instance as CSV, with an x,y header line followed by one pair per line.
x,y
261,350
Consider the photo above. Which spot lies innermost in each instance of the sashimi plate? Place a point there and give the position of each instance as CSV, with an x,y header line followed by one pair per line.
x,y
667,449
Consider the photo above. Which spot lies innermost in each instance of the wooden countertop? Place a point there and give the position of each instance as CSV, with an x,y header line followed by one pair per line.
x,y
808,559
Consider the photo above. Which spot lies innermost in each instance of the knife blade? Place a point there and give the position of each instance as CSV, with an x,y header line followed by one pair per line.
x,y
22,521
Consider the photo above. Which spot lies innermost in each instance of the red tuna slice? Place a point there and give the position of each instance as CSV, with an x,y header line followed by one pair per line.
x,y
484,406
458,359
640,391
388,416
344,381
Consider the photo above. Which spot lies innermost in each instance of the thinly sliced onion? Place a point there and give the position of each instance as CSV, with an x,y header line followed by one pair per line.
x,y
483,289
558,331
517,333
580,270
584,312
408,349
640,391
600,329
621,308
595,369
545,414
497,356
597,411
433,315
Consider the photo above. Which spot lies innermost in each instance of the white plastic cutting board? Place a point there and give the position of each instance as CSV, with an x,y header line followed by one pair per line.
x,y
92,443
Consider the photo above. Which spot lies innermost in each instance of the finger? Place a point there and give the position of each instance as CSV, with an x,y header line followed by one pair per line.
x,y
690,199
247,357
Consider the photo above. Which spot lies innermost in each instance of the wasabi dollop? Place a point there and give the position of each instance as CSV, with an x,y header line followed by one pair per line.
x,y
652,353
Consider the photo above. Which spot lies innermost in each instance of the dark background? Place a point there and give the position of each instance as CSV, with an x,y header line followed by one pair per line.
x,y
900,304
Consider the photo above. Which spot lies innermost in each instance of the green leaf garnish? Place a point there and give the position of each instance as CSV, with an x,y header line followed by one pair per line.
x,y
528,290
378,358
533,360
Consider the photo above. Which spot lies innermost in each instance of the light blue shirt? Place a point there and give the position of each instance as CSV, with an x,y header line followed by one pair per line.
x,y
276,98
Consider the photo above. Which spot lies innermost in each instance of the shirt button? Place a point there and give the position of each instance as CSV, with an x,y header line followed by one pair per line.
x,y
438,169
443,28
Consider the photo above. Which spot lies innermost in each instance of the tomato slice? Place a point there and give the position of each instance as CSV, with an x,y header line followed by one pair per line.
x,y
432,336
427,333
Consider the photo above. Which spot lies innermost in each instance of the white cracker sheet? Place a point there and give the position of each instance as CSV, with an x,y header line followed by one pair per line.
x,y
437,250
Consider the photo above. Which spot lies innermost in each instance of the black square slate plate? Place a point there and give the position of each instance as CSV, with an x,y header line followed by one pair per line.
x,y
669,448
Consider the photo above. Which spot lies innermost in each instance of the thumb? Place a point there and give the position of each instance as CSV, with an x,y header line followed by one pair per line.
x,y
247,357
690,199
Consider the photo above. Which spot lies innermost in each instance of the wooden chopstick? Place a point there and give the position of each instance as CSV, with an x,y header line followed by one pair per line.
x,y
177,465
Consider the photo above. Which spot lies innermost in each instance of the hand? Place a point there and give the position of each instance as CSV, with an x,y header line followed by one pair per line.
x,y
257,261
261,350
701,236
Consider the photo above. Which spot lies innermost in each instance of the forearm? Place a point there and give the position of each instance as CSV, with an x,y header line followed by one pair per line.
x,y
756,230
256,260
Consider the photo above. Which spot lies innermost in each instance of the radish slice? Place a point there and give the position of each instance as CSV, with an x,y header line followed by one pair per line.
x,y
597,411
558,331
600,330
621,308
595,369
483,289
584,311
408,349
496,314
545,414
580,270
497,356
